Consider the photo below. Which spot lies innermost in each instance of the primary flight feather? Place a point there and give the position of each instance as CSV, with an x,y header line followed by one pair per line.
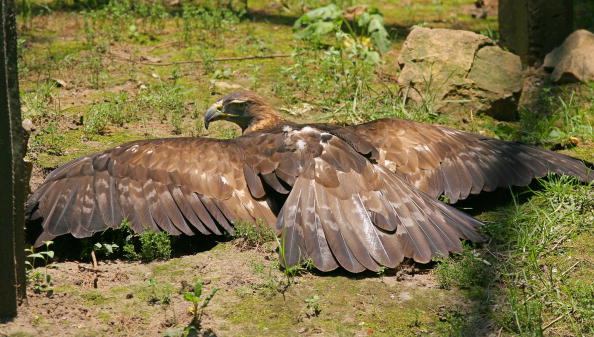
x,y
359,197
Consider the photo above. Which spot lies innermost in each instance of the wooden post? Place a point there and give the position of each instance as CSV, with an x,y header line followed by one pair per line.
x,y
532,28
12,184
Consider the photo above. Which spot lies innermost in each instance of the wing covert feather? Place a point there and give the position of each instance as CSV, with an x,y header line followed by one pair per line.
x,y
437,159
372,217
179,185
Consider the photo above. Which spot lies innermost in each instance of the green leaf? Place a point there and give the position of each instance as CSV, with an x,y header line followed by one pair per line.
x,y
35,256
322,28
363,19
191,298
378,33
373,57
316,29
49,253
98,245
198,288
326,13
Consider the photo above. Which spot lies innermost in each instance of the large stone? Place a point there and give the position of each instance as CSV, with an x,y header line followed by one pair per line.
x,y
457,70
573,61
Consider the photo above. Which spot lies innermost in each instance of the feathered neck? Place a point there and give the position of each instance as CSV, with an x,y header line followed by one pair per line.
x,y
263,116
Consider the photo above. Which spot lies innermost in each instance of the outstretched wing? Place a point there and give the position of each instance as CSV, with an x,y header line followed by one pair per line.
x,y
179,185
344,210
438,159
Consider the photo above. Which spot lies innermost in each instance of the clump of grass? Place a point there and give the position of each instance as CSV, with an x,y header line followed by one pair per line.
x,y
541,287
566,119
158,292
154,246
325,72
253,235
165,101
214,19
40,103
114,111
291,271
466,270
119,20
48,140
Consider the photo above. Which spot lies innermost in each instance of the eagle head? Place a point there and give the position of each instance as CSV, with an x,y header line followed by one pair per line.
x,y
244,108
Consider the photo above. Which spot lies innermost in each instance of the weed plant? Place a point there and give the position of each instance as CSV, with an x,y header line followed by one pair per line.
x,y
198,305
41,281
254,235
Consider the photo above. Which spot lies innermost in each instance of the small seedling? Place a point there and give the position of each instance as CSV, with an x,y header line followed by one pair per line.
x,y
313,306
106,249
158,292
41,281
198,304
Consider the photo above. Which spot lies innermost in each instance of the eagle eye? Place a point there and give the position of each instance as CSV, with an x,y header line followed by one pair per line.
x,y
235,107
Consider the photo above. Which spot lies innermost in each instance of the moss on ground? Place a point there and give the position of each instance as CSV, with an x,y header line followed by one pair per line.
x,y
254,299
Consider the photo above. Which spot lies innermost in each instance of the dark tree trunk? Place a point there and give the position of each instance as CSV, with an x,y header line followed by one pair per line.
x,y
532,28
12,176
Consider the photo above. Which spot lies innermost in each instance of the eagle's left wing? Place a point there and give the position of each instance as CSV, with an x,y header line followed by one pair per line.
x,y
438,159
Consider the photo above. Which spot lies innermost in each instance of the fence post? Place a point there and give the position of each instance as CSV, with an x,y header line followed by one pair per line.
x,y
532,28
12,175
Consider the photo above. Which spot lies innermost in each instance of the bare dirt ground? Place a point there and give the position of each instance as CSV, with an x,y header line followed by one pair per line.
x,y
127,299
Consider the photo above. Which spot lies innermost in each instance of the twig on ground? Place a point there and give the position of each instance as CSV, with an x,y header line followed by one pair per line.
x,y
218,59
570,268
166,44
548,325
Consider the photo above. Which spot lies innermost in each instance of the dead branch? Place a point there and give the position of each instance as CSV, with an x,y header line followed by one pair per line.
x,y
94,258
218,59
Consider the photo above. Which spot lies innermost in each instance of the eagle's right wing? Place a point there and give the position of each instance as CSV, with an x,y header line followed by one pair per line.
x,y
178,185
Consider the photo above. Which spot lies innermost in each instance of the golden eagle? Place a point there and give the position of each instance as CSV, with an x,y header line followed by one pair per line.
x,y
359,197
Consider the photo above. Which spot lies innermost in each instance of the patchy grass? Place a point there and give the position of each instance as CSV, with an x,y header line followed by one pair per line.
x,y
95,74
253,235
534,277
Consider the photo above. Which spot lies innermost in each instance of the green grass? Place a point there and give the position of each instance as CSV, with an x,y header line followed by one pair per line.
x,y
530,277
254,235
523,279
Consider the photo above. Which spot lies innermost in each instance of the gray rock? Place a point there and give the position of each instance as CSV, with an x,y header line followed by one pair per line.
x,y
573,61
460,70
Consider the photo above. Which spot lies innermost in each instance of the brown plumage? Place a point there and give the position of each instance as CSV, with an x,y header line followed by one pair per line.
x,y
359,197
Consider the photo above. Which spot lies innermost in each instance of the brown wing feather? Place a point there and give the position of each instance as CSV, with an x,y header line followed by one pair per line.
x,y
342,209
440,160
177,185
372,217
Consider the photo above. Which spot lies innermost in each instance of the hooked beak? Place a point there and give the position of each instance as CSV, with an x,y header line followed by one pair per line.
x,y
212,113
